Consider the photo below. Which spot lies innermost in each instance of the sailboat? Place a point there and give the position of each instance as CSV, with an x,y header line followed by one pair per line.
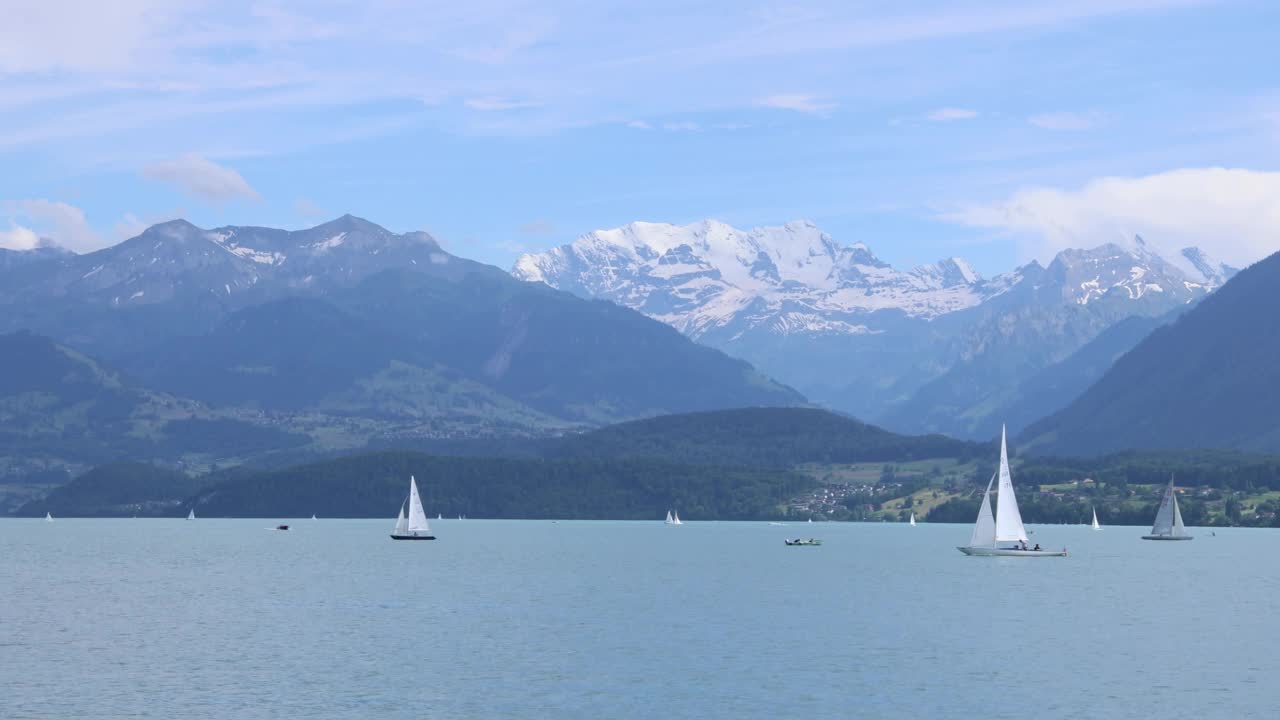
x,y
191,515
413,527
313,516
1095,524
1006,526
48,517
670,519
439,516
912,521
1168,525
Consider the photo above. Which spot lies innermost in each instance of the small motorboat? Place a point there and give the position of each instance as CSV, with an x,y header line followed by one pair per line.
x,y
799,541
282,527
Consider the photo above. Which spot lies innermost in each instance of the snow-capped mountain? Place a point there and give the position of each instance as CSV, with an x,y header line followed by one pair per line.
x,y
849,330
177,259
710,276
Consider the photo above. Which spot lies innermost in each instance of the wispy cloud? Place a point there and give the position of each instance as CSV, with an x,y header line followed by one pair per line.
x,y
1233,213
65,225
307,209
202,178
538,227
682,126
1066,120
797,102
951,114
498,104
639,125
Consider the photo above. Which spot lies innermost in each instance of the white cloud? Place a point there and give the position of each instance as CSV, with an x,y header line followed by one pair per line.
x,y
18,237
64,224
1066,120
798,102
43,35
1232,213
639,125
684,126
538,227
307,209
950,114
497,104
202,178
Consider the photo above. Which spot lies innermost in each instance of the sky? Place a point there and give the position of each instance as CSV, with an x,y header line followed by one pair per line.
x,y
998,131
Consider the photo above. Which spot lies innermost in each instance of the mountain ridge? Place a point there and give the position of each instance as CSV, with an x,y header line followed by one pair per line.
x,y
924,350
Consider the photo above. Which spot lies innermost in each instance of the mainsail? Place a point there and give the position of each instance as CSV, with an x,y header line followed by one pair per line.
x,y
417,518
1095,524
1177,518
1008,519
984,530
1165,521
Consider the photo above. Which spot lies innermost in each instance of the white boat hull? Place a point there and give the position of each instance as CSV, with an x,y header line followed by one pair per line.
x,y
1009,552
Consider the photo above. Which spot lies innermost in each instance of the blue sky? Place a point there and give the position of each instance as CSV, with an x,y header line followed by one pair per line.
x,y
997,131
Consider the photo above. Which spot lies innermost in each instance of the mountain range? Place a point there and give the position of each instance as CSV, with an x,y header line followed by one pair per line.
x,y
937,348
341,334
1208,380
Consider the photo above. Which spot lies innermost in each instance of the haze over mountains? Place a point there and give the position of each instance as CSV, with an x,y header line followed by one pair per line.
x,y
937,348
1209,380
340,334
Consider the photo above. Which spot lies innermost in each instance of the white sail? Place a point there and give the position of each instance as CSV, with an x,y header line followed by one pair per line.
x,y
417,518
191,515
313,516
1095,524
1008,520
913,520
439,516
675,518
984,529
1165,515
1177,518
669,521
401,525
48,517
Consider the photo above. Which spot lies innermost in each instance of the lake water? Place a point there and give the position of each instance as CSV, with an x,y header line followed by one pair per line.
x,y
228,619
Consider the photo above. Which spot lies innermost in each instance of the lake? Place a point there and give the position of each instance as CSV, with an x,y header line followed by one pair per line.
x,y
230,619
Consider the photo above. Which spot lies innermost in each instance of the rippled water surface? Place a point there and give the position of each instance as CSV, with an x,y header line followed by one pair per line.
x,y
228,619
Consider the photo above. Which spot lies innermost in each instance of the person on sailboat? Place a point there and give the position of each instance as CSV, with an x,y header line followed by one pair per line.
x,y
1036,548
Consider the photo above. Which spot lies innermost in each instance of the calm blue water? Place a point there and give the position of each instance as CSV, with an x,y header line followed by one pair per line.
x,y
227,619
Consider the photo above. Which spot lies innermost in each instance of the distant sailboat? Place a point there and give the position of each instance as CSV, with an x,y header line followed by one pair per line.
x,y
912,521
191,515
313,516
811,521
1095,524
48,517
439,516
670,520
1006,526
413,527
675,518
1168,525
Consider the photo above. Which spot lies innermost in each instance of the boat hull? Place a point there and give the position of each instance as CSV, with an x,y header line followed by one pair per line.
x,y
1167,537
413,537
1009,552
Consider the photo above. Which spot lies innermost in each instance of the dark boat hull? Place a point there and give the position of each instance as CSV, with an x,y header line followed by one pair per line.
x,y
413,537
1167,537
